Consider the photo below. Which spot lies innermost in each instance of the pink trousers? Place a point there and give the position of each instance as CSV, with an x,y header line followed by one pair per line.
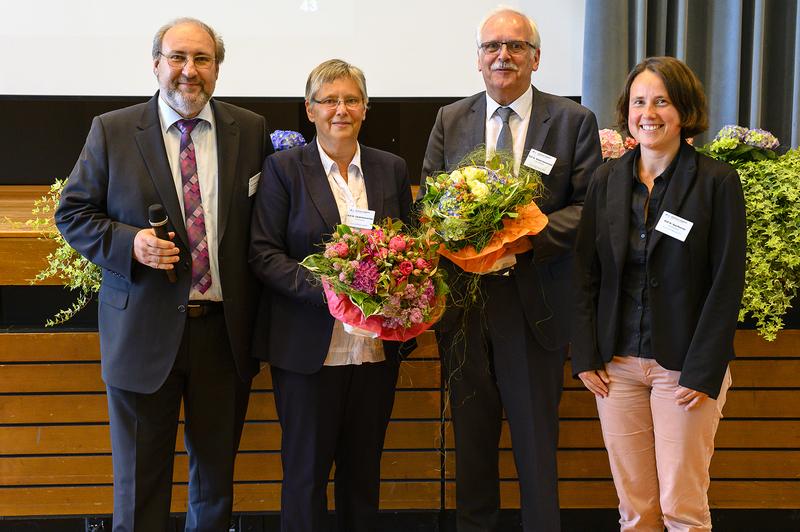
x,y
659,452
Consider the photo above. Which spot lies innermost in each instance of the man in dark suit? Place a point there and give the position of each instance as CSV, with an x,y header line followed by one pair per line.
x,y
506,351
164,340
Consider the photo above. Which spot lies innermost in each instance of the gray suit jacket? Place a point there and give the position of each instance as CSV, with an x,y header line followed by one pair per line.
x,y
122,170
558,127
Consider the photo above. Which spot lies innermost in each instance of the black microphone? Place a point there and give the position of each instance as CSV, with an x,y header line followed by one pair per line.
x,y
158,221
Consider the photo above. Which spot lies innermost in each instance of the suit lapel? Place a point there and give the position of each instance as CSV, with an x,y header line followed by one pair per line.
x,y
473,132
318,187
150,141
227,157
618,207
679,185
373,183
538,126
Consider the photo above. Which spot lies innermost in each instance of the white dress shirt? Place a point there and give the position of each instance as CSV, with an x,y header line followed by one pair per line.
x,y
204,137
347,348
518,122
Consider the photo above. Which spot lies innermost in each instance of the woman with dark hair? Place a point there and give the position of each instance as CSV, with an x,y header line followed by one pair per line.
x,y
659,279
334,389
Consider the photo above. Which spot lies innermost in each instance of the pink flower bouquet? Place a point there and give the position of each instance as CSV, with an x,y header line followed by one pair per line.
x,y
381,280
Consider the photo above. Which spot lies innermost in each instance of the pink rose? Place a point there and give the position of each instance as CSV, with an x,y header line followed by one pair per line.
x,y
341,249
397,243
406,267
421,263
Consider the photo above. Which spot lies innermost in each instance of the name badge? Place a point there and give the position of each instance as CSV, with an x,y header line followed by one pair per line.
x,y
674,226
541,162
360,218
252,184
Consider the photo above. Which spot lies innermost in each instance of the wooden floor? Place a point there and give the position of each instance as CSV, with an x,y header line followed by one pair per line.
x,y
55,450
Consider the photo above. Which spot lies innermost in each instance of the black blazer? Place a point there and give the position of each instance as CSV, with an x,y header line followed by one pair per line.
x,y
559,127
694,287
295,213
122,170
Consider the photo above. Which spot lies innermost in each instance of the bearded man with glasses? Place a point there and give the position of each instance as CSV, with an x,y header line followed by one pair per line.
x,y
183,337
507,352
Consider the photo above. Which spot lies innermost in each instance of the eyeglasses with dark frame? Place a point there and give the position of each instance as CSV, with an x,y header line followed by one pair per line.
x,y
176,60
513,47
333,103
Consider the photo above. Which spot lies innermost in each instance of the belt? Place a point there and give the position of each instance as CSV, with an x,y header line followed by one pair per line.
x,y
199,309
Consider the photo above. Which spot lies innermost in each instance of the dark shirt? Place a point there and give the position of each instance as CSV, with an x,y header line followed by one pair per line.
x,y
633,337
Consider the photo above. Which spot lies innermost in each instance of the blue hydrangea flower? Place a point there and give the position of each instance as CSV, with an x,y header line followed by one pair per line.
x,y
285,139
732,132
761,138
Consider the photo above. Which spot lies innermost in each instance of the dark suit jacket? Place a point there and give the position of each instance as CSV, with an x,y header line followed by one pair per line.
x,y
558,127
295,213
694,287
122,170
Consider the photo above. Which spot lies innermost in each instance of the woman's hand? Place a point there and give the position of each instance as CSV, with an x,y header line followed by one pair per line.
x,y
689,398
596,380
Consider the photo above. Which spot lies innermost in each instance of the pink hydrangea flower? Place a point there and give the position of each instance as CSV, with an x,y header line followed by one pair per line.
x,y
611,144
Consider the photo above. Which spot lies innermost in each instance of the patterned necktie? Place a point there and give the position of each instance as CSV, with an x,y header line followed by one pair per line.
x,y
505,142
193,208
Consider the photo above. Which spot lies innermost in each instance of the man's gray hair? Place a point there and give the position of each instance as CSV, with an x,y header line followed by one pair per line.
x,y
536,40
219,44
330,71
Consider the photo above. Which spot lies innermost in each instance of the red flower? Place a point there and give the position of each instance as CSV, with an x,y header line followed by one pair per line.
x,y
406,267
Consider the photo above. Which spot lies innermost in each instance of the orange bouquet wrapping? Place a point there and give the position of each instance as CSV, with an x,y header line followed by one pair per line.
x,y
481,212
508,240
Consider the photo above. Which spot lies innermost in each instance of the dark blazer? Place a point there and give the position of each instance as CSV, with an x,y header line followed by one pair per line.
x,y
694,287
561,128
122,170
295,213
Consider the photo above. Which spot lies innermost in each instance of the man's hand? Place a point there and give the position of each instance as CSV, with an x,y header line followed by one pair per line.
x,y
154,252
596,381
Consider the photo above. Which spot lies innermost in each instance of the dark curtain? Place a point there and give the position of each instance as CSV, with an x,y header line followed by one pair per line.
x,y
745,52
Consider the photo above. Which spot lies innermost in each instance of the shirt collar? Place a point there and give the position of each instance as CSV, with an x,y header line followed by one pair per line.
x,y
328,163
521,106
169,116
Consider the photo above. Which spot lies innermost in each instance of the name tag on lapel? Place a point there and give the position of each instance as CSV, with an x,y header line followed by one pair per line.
x,y
252,184
360,218
539,161
674,226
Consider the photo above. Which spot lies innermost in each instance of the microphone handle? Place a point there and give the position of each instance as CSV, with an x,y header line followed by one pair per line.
x,y
160,230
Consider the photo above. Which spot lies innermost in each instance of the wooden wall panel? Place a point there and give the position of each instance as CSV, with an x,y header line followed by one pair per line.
x,y
55,450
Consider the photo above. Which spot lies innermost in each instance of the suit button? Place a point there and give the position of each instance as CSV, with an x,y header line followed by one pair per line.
x,y
181,308
654,283
186,265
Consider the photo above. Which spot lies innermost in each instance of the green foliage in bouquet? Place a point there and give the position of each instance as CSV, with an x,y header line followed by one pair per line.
x,y
467,206
771,185
64,262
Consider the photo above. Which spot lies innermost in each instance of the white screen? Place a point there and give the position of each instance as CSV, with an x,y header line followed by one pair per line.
x,y
410,48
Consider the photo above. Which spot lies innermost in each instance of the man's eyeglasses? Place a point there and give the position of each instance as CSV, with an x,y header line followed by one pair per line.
x,y
513,47
179,60
333,103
